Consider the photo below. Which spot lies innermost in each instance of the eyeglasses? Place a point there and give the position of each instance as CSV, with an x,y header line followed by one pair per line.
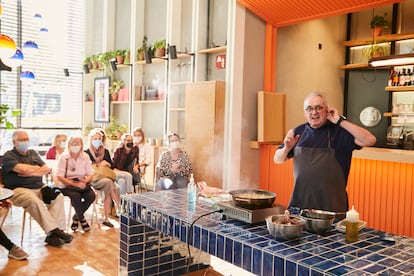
x,y
317,108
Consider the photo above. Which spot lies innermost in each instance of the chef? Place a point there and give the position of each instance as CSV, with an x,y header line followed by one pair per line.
x,y
322,151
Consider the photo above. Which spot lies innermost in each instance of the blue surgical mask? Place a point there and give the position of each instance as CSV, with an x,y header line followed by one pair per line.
x,y
75,149
23,146
97,143
62,144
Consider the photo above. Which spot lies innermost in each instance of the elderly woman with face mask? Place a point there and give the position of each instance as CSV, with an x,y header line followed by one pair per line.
x,y
174,167
58,147
101,157
74,174
126,162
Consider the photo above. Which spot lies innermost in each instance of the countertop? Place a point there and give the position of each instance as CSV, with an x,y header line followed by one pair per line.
x,y
384,154
252,248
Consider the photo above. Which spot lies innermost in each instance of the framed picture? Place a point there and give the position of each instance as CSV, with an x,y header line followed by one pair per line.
x,y
101,100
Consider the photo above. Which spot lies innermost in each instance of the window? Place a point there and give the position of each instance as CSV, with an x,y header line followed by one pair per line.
x,y
53,102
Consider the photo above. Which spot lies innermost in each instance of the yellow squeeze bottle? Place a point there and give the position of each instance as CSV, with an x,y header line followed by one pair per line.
x,y
352,223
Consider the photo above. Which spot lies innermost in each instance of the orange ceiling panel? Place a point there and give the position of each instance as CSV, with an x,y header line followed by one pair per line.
x,y
284,12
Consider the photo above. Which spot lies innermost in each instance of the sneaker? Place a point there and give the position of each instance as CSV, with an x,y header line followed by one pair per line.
x,y
53,240
107,223
62,235
17,253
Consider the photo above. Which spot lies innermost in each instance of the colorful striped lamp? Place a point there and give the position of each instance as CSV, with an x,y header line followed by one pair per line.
x,y
7,46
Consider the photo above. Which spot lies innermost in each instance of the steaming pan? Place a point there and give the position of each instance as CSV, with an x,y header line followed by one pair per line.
x,y
253,199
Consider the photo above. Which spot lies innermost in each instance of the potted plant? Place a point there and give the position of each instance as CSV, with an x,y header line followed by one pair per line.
x,y
127,59
114,88
4,108
114,130
375,50
120,56
144,48
88,62
378,24
159,48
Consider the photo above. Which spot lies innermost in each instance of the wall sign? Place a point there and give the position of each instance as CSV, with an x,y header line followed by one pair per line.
x,y
370,116
221,61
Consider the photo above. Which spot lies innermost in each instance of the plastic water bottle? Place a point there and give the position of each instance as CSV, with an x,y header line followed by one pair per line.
x,y
191,191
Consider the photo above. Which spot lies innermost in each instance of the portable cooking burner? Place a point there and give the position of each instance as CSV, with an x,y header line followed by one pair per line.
x,y
231,210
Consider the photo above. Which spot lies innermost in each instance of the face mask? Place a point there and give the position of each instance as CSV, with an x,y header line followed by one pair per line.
x,y
23,146
138,139
97,143
62,144
129,144
175,145
75,149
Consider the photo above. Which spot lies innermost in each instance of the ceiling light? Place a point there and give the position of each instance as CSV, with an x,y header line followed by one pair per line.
x,y
16,60
7,46
392,60
27,77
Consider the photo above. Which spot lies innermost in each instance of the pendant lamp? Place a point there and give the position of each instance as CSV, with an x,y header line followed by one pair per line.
x,y
7,46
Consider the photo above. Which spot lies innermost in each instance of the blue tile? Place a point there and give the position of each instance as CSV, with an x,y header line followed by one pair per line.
x,y
204,240
267,264
388,262
341,270
247,258
151,270
257,261
291,268
303,270
374,268
135,257
148,261
326,265
279,266
237,253
135,265
331,254
406,267
212,245
197,237
391,272
313,260
228,250
166,258
220,246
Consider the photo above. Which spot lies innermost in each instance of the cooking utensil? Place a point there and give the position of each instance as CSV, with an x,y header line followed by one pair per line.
x,y
281,230
320,214
317,226
253,199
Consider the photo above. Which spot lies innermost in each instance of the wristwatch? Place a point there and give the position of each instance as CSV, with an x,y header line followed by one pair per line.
x,y
341,118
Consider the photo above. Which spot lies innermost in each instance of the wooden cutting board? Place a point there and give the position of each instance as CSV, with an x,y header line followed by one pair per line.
x,y
271,116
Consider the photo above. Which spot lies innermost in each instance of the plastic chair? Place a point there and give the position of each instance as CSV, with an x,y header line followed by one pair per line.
x,y
23,225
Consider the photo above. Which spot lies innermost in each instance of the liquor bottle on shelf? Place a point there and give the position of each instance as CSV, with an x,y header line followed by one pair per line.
x,y
390,78
402,77
408,77
396,80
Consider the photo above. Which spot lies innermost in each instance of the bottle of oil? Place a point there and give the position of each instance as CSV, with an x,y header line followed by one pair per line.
x,y
352,223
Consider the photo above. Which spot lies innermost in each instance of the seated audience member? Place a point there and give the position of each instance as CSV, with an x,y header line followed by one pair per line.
x,y
58,147
74,174
23,170
174,167
126,162
15,252
145,158
101,158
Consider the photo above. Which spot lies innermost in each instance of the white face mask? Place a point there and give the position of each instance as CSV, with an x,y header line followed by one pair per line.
x,y
137,139
175,145
75,149
62,144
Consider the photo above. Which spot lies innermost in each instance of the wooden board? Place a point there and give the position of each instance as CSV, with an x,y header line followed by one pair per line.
x,y
271,116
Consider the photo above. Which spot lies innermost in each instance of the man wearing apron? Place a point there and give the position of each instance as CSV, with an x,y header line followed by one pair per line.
x,y
322,151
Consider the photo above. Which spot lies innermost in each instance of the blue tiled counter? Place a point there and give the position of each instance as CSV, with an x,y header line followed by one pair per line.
x,y
154,232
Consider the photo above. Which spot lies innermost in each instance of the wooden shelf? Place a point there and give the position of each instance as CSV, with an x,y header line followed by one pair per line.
x,y
177,109
215,50
149,101
355,66
154,60
400,88
380,39
257,144
390,114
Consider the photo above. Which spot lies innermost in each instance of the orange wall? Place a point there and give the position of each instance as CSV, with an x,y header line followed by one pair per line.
x,y
382,191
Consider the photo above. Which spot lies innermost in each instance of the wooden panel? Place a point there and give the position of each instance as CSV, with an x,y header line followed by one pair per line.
x,y
382,191
204,130
271,116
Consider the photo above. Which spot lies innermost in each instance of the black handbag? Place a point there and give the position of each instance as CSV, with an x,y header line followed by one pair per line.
x,y
49,193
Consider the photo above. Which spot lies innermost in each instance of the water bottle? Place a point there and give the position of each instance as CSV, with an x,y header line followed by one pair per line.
x,y
191,191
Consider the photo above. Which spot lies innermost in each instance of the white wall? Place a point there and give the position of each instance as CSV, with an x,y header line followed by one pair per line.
x,y
303,68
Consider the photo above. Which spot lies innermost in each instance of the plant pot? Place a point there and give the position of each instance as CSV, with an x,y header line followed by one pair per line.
x,y
114,96
120,59
160,52
140,56
377,31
